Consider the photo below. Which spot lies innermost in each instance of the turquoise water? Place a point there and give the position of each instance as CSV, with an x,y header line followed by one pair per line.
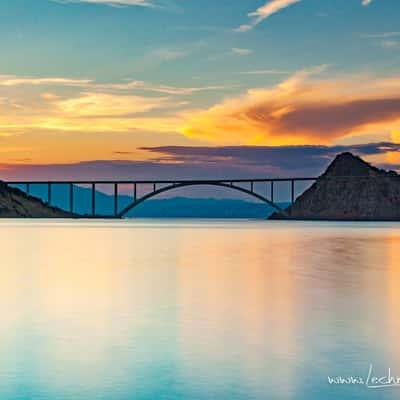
x,y
197,309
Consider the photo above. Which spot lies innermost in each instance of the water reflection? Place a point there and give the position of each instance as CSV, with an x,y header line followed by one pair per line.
x,y
196,310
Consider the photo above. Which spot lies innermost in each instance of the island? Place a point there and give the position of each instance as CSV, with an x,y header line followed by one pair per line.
x,y
349,190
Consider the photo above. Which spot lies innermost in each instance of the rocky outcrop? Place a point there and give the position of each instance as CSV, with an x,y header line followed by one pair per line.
x,y
350,189
14,203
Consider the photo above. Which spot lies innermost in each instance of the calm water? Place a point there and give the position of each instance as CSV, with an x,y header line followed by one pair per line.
x,y
197,310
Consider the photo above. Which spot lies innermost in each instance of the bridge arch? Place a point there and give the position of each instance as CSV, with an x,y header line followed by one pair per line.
x,y
154,193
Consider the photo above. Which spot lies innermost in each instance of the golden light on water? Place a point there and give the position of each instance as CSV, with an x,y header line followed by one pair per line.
x,y
216,305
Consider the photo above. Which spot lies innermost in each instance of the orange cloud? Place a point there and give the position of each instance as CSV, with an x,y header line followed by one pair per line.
x,y
302,110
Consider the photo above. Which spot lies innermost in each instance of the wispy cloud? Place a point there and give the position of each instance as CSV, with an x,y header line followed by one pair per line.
x,y
265,72
389,44
238,51
386,40
102,104
166,89
168,54
157,57
272,7
262,13
13,80
380,35
115,3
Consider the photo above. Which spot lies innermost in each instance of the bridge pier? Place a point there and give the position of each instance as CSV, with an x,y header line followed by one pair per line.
x,y
115,199
71,197
272,191
49,187
292,184
93,200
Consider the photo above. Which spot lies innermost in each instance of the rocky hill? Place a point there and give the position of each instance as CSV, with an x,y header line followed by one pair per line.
x,y
350,189
16,204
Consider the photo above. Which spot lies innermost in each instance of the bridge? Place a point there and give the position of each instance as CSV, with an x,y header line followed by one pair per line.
x,y
263,189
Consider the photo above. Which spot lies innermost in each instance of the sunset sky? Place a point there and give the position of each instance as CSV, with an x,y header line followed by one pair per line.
x,y
196,88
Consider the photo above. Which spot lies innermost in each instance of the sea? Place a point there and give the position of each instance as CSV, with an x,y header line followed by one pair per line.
x,y
199,310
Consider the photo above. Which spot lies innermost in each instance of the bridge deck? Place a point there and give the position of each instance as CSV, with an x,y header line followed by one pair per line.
x,y
150,182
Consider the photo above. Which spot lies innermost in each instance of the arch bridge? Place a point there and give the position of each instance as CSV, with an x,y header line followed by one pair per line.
x,y
263,189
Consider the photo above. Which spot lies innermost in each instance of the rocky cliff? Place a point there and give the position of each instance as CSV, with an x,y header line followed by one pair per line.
x,y
16,204
350,189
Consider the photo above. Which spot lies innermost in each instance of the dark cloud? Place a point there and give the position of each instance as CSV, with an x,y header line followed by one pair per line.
x,y
182,162
337,119
280,159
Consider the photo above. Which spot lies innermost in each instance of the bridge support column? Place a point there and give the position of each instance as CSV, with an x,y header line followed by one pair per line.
x,y
49,185
292,191
115,199
71,197
272,191
93,199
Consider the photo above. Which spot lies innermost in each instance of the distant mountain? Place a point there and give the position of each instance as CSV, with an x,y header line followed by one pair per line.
x,y
350,189
182,207
16,204
177,207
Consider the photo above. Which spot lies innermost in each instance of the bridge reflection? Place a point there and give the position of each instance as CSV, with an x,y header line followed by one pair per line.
x,y
263,189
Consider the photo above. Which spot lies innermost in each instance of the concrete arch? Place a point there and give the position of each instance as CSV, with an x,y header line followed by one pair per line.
x,y
186,184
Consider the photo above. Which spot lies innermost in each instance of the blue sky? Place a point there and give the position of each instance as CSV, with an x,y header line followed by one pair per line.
x,y
83,81
78,39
